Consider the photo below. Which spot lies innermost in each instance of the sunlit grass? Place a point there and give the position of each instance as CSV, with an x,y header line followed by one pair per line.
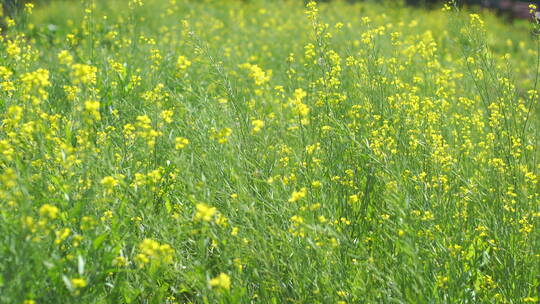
x,y
267,152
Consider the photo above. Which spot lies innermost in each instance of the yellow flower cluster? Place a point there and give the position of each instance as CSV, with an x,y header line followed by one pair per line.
x,y
182,63
82,73
150,251
221,281
204,212
221,136
259,76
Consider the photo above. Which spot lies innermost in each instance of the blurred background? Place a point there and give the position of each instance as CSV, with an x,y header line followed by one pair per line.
x,y
511,8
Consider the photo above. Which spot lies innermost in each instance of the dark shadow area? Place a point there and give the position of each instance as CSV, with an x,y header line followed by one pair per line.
x,y
512,8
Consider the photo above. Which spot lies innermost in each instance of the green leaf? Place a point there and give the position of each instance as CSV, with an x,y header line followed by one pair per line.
x,y
99,240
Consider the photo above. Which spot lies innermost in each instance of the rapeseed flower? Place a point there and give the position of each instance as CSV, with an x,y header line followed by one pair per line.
x,y
49,211
204,212
298,195
221,281
83,74
180,143
257,125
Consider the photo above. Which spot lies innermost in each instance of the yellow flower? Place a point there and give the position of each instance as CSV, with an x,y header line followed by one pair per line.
x,y
120,261
221,281
142,259
144,121
49,211
204,212
134,3
92,109
299,108
222,136
109,183
312,10
38,78
78,283
298,195
6,149
476,21
151,250
182,63
180,143
13,49
28,7
257,74
84,74
257,125
297,219
65,58
61,235
167,115
145,130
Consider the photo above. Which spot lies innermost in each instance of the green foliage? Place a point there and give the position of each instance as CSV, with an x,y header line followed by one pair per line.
x,y
267,152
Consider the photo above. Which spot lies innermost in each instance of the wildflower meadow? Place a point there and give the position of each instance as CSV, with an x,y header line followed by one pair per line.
x,y
257,151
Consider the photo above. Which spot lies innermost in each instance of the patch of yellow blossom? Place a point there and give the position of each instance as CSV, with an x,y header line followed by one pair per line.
x,y
64,57
182,63
109,183
146,131
299,108
204,212
152,251
259,76
221,281
91,108
257,125
222,136
78,283
180,143
298,195
49,211
83,74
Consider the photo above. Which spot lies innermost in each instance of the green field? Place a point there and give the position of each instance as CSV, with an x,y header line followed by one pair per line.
x,y
176,151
